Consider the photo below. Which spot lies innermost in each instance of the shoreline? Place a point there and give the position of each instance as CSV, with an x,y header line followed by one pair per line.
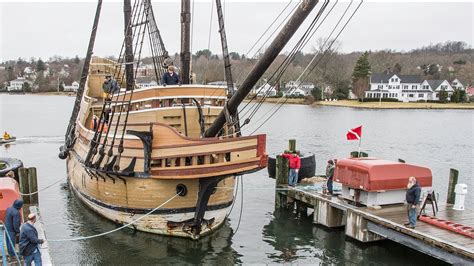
x,y
396,105
49,93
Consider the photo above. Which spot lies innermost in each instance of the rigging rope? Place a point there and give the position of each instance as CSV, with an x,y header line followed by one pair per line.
x,y
314,66
116,229
284,65
209,42
39,190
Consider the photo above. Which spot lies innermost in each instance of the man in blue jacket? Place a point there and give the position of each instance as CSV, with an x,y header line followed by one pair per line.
x,y
170,77
12,225
29,242
412,199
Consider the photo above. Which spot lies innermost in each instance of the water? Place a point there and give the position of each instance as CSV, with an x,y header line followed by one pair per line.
x,y
434,138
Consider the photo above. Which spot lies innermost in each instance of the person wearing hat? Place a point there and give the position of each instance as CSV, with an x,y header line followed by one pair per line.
x,y
330,174
12,226
170,77
29,242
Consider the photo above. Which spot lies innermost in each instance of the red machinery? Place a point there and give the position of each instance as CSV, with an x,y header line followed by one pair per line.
x,y
9,192
373,181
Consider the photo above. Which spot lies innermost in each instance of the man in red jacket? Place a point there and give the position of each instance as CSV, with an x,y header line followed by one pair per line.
x,y
295,165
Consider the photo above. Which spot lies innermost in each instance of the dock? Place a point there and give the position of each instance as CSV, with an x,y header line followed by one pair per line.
x,y
374,224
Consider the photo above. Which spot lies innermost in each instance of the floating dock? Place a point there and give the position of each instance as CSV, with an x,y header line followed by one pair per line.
x,y
370,224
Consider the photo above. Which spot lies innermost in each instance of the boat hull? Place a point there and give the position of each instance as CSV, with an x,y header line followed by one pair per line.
x,y
125,199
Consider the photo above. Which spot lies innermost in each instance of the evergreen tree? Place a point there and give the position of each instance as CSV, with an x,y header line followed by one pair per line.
x,y
40,66
26,87
443,96
76,60
360,75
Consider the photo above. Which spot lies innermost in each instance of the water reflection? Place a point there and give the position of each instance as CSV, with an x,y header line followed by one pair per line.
x,y
296,238
134,246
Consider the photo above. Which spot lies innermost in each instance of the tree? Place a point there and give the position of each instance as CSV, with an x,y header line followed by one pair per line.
x,y
431,70
443,96
316,93
360,75
397,68
10,73
76,60
206,53
234,56
40,66
458,96
26,87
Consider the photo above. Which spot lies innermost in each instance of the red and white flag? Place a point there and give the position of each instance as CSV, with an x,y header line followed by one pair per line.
x,y
354,134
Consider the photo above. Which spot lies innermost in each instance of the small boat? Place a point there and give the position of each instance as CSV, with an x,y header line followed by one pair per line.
x,y
9,140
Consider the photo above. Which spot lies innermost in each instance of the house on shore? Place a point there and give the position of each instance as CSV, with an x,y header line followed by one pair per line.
x,y
71,88
407,88
266,90
298,88
16,85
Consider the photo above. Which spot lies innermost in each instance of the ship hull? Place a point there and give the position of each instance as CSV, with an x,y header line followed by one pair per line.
x,y
105,196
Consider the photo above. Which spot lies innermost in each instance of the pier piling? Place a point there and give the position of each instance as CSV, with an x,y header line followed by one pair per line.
x,y
33,185
281,181
453,180
24,184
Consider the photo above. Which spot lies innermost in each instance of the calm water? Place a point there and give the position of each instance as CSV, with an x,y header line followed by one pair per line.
x,y
433,138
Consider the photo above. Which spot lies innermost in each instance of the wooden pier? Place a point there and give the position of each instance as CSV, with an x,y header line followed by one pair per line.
x,y
369,224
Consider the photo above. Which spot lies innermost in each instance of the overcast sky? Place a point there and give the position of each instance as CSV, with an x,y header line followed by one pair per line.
x,y
43,29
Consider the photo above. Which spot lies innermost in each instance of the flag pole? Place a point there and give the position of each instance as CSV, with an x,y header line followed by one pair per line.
x,y
360,140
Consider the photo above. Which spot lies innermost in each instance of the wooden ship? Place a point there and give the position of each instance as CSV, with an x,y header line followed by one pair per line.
x,y
176,143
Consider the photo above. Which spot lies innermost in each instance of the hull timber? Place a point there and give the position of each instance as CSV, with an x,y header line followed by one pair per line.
x,y
176,157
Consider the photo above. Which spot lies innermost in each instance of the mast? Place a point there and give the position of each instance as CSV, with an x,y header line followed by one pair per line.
x,y
85,70
127,11
225,51
263,63
185,41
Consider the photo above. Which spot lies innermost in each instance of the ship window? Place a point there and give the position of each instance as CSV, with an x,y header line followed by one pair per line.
x,y
188,161
177,162
167,162
227,157
156,163
200,160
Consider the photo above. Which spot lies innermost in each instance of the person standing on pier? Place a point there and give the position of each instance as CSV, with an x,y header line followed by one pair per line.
x,y
29,242
295,165
12,226
330,175
412,199
170,77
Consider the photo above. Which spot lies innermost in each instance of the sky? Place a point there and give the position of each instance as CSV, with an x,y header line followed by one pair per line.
x,y
43,29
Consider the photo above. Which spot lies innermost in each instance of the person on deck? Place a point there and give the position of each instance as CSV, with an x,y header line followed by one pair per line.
x,y
412,199
29,242
295,165
170,77
12,226
110,86
6,136
330,175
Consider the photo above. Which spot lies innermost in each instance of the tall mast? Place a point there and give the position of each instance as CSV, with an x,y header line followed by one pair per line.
x,y
225,51
85,71
127,11
185,41
263,63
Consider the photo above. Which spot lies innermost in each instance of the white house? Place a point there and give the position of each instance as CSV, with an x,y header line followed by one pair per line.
x,y
456,84
17,84
266,90
406,88
72,88
145,82
300,88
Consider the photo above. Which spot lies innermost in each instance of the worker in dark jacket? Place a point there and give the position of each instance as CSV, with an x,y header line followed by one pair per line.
x,y
295,165
330,175
412,199
12,225
29,242
170,77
